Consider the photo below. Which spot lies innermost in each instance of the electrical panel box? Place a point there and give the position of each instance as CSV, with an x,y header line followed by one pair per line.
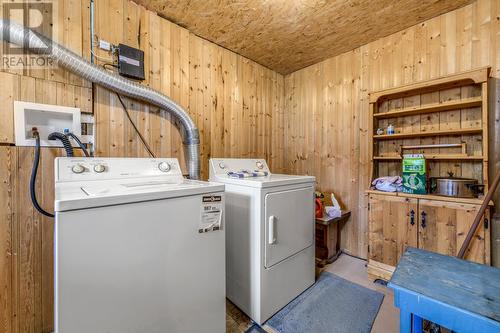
x,y
47,119
130,62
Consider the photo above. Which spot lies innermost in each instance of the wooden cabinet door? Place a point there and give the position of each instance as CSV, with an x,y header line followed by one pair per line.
x,y
444,225
393,224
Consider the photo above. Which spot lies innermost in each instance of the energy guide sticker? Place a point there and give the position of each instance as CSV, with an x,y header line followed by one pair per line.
x,y
211,213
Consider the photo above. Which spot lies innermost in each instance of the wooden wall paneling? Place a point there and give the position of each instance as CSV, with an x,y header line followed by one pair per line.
x,y
29,254
101,95
480,39
206,110
248,102
260,110
9,85
365,148
46,198
315,116
270,119
45,194
8,310
165,86
230,79
71,23
28,234
328,144
357,242
278,126
459,40
430,122
227,82
140,112
114,33
101,100
289,120
238,111
181,87
464,38
448,43
46,27
218,108
155,71
196,82
291,136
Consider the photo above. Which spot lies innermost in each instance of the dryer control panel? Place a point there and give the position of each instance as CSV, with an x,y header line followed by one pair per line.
x,y
222,166
95,168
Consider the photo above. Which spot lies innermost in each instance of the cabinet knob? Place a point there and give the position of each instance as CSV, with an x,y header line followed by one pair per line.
x,y
423,221
412,217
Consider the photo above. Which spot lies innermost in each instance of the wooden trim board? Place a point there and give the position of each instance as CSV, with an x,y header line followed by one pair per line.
x,y
456,80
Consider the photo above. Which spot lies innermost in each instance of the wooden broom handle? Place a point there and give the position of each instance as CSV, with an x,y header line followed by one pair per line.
x,y
479,216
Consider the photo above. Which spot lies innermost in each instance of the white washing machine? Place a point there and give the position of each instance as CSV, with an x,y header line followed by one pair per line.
x,y
138,248
269,235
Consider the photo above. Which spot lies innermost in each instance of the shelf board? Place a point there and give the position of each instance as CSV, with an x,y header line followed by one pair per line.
x,y
432,157
460,131
429,108
474,201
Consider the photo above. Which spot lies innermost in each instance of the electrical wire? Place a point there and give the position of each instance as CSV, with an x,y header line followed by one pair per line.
x,y
352,255
125,109
34,171
80,144
112,65
108,61
135,127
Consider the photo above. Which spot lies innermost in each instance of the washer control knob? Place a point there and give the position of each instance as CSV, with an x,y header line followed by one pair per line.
x,y
78,168
99,168
222,165
164,166
260,165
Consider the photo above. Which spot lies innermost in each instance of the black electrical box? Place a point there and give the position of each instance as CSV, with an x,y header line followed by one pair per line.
x,y
130,62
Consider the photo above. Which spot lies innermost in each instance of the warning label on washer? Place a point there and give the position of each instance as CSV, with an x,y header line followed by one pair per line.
x,y
211,213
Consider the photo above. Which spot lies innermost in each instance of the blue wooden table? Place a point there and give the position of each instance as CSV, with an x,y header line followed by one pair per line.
x,y
457,294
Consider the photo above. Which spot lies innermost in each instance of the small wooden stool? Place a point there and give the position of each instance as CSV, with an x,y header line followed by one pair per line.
x,y
328,238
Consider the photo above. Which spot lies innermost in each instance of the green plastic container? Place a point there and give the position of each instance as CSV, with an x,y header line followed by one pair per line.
x,y
414,174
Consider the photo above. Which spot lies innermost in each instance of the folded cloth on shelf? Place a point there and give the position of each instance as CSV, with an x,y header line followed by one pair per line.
x,y
247,174
388,184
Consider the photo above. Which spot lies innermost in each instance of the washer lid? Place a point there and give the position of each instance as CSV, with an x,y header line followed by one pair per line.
x,y
81,195
264,182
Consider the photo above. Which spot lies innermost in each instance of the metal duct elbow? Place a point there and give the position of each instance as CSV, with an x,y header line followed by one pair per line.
x,y
17,34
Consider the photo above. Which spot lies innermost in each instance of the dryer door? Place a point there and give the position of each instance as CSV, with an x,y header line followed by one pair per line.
x,y
289,223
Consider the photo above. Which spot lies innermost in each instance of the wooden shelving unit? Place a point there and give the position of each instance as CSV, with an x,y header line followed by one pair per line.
x,y
437,107
460,131
447,110
446,119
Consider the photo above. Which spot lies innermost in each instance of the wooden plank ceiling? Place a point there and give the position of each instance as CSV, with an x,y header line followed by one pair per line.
x,y
286,35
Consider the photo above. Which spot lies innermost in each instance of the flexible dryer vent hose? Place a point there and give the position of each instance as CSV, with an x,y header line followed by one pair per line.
x,y
17,34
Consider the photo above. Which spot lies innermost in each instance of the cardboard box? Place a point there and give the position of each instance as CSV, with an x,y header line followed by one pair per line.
x,y
414,174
